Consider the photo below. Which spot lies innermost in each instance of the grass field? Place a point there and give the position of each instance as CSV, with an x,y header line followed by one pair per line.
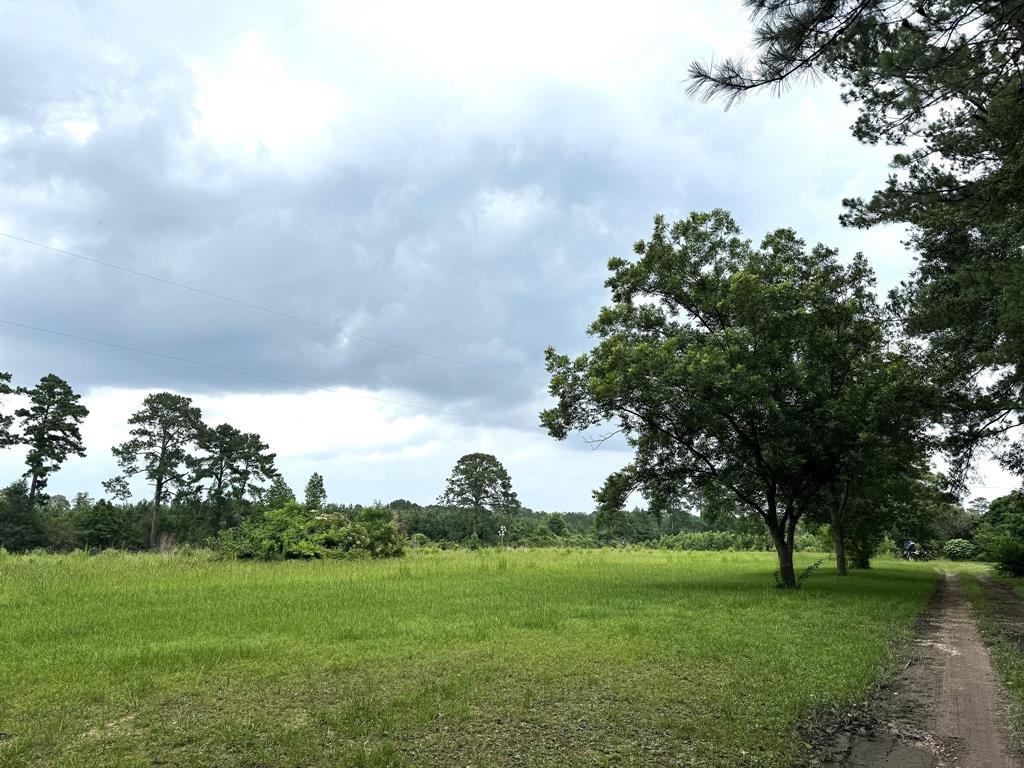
x,y
553,658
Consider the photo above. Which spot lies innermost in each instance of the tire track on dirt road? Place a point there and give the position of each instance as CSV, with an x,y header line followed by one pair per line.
x,y
944,710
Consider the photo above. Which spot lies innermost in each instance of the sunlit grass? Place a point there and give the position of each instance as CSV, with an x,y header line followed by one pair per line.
x,y
558,658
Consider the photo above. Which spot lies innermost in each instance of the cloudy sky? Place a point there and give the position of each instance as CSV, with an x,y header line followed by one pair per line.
x,y
446,179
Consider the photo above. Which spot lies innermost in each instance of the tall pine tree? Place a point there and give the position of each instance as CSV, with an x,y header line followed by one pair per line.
x,y
50,429
163,433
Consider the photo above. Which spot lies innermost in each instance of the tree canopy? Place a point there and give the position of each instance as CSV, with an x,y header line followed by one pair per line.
x,y
730,369
50,429
944,80
479,482
316,494
162,435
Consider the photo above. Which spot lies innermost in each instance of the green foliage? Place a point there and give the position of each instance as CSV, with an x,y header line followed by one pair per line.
x,y
7,435
162,434
232,466
557,525
958,549
20,527
1001,525
385,540
1009,556
942,77
100,525
50,428
479,482
316,495
293,532
732,371
279,493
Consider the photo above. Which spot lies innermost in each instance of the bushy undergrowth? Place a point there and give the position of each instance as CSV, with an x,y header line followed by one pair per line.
x,y
958,549
712,541
291,532
1009,556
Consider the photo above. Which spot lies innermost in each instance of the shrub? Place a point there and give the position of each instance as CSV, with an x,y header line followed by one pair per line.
x,y
1009,552
385,540
958,549
418,541
288,532
715,541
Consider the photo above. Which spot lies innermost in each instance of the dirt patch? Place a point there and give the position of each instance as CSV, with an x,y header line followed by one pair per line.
x,y
944,710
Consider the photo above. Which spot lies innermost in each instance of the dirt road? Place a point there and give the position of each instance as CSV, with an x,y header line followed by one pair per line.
x,y
945,710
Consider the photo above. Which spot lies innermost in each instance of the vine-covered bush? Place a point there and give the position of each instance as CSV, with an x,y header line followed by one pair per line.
x,y
290,532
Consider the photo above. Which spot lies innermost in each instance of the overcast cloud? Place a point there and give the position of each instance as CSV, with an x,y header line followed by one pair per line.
x,y
442,177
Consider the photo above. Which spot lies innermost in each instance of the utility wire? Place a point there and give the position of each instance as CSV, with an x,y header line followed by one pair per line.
x,y
270,311
277,379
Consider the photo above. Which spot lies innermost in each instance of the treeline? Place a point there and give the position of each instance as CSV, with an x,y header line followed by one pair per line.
x,y
218,487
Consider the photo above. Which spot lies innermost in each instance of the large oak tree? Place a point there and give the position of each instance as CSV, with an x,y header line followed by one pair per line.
x,y
729,369
479,482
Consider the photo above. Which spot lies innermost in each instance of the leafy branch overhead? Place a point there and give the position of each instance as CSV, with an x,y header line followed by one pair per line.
x,y
944,81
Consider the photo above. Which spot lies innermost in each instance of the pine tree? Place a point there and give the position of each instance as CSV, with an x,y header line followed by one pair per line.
x,y
163,433
316,496
50,429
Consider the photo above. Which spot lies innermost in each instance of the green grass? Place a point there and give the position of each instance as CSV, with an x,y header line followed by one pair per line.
x,y
539,658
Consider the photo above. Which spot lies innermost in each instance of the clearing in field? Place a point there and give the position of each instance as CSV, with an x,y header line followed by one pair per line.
x,y
540,658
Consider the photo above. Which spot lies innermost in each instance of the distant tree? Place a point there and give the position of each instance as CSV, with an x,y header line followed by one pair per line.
x,y
279,493
50,429
727,368
316,496
557,524
231,464
101,525
163,433
944,79
978,507
20,526
7,436
479,482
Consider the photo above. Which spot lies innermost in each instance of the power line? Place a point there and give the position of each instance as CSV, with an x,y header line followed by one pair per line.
x,y
270,311
277,379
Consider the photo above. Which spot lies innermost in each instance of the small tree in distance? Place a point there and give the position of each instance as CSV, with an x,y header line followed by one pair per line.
x,y
479,482
316,495
279,493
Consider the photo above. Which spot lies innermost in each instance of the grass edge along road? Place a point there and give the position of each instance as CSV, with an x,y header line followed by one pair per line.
x,y
998,607
543,657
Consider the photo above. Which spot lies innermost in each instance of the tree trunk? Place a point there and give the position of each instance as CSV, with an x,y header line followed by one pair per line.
x,y
784,549
33,490
838,527
839,539
154,527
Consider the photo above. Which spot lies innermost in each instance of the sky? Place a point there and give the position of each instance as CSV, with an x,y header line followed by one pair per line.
x,y
399,206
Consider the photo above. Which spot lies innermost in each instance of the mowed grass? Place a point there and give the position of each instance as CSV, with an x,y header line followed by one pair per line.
x,y
492,658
